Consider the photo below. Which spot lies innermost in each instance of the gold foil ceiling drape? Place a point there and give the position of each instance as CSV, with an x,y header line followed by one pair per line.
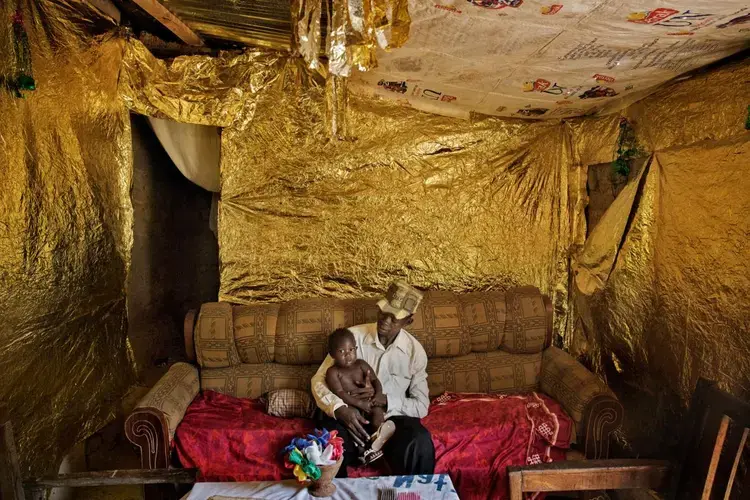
x,y
65,234
219,91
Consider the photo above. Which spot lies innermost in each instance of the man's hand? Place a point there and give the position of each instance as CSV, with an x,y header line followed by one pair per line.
x,y
380,400
353,422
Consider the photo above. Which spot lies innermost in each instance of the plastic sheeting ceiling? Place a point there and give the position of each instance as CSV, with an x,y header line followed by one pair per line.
x,y
515,58
65,233
551,59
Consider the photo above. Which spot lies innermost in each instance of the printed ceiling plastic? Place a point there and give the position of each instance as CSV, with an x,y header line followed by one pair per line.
x,y
538,59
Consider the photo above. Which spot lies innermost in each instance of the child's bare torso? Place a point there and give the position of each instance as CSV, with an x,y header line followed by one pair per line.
x,y
352,377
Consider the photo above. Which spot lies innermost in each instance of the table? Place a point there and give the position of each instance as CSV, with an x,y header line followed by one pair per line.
x,y
429,487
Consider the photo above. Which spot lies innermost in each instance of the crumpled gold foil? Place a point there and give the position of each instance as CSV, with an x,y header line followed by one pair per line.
x,y
306,30
355,31
710,105
65,235
337,105
220,91
660,286
440,202
663,284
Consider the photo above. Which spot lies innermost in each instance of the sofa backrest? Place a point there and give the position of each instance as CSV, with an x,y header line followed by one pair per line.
x,y
448,325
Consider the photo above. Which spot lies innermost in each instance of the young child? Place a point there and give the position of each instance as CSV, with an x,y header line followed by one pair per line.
x,y
349,374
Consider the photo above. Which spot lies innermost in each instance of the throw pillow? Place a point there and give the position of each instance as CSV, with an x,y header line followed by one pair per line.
x,y
290,403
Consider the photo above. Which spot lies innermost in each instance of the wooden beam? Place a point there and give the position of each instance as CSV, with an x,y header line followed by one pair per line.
x,y
170,21
108,8
587,475
11,487
115,477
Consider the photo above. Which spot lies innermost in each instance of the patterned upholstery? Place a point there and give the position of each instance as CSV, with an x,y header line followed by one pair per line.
x,y
303,326
255,331
570,383
172,394
489,372
439,326
528,327
251,381
275,344
214,336
484,318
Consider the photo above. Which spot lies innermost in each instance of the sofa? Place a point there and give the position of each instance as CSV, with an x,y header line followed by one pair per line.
x,y
478,343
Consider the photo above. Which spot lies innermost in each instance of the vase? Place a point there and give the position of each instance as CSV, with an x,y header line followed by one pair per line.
x,y
324,486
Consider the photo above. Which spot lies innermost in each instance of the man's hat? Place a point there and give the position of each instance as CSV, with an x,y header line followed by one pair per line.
x,y
401,300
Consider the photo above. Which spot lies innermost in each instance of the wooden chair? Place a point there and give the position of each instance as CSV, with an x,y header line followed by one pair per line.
x,y
713,444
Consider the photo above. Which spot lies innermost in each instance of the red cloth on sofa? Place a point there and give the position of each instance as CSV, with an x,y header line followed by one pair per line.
x,y
234,439
476,437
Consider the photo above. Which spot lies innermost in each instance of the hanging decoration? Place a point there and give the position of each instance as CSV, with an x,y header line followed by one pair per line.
x,y
628,149
23,79
355,30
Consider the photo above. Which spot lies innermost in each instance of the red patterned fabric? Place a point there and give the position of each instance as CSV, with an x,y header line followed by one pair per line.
x,y
476,437
233,439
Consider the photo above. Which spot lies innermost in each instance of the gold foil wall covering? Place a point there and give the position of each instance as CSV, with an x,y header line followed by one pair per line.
x,y
442,203
65,235
661,285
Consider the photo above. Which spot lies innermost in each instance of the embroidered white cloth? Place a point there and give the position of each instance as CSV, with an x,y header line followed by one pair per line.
x,y
432,487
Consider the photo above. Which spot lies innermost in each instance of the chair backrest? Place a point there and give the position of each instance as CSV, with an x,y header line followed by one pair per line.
x,y
713,446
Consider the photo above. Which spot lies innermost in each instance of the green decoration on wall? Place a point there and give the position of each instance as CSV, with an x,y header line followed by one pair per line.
x,y
627,149
23,78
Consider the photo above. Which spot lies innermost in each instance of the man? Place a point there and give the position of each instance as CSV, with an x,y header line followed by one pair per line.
x,y
400,363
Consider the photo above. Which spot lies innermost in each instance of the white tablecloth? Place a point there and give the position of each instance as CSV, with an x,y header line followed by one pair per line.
x,y
437,487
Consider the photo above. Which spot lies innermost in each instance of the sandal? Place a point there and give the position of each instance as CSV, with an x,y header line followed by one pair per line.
x,y
382,435
370,456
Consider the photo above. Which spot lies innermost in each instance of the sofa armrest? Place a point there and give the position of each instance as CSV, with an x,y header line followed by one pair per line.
x,y
593,407
152,423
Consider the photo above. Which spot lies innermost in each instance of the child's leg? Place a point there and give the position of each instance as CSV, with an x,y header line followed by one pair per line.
x,y
384,430
377,417
360,449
